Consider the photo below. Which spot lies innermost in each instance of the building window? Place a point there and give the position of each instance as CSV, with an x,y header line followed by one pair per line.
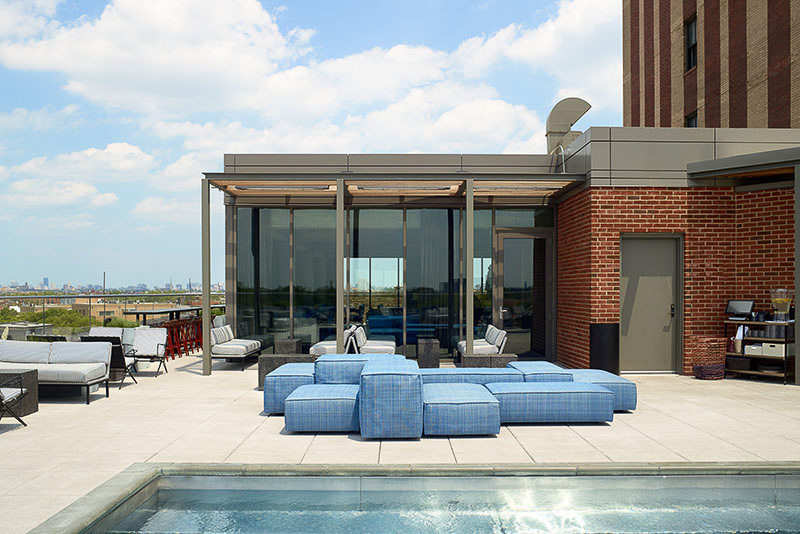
x,y
691,43
691,120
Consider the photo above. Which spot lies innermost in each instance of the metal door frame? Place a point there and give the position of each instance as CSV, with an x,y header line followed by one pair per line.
x,y
501,233
677,348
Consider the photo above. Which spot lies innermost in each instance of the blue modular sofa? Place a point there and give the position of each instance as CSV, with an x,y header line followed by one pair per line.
x,y
388,396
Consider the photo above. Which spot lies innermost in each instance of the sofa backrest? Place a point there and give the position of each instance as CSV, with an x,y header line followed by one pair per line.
x,y
500,340
24,351
150,341
491,334
221,334
360,336
69,352
105,331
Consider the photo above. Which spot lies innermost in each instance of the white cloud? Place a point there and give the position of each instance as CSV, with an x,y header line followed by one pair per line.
x,y
115,163
58,223
38,119
43,193
173,209
104,199
25,18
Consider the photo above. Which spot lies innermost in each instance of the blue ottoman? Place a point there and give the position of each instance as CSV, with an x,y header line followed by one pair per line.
x,y
322,408
345,368
391,399
553,402
282,381
459,409
541,371
470,375
624,390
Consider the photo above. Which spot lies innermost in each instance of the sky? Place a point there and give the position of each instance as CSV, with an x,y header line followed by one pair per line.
x,y
110,112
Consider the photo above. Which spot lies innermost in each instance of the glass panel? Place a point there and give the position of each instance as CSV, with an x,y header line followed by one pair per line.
x,y
273,280
524,218
245,272
432,305
314,275
376,272
482,271
524,302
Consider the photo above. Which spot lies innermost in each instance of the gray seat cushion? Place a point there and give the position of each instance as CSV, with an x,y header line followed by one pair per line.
x,y
24,351
236,347
323,347
9,394
377,347
73,373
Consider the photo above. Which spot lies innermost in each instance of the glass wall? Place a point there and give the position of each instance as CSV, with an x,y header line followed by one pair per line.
x,y
376,272
482,278
314,275
432,276
262,267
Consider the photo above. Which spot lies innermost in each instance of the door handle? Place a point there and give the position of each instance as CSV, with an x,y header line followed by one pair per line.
x,y
672,310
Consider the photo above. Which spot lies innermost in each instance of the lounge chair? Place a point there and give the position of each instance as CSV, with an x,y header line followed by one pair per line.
x,y
329,346
493,343
372,346
11,391
224,345
120,361
150,344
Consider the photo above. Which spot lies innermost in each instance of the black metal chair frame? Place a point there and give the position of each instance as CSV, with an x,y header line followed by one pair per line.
x,y
117,356
162,360
14,382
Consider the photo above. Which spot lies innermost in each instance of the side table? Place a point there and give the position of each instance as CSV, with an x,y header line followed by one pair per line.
x,y
288,346
428,352
29,403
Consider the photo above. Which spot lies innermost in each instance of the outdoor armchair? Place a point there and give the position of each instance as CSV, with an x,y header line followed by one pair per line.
x,y
329,346
11,391
494,342
150,344
372,346
120,361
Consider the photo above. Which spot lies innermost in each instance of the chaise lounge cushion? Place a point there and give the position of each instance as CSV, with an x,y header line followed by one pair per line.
x,y
236,347
479,346
542,371
72,373
553,402
105,331
24,351
471,375
390,399
624,390
323,408
281,382
459,409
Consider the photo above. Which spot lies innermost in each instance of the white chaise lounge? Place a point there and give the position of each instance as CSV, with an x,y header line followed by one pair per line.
x,y
372,346
329,347
224,345
493,342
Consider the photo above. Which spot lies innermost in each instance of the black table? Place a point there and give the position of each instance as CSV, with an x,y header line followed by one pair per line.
x,y
174,313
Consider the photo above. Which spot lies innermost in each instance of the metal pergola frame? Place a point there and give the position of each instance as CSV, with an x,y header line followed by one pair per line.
x,y
383,189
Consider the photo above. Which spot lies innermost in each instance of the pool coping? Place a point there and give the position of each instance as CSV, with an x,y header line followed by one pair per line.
x,y
113,495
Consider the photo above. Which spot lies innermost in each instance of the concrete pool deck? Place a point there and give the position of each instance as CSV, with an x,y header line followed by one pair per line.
x,y
69,448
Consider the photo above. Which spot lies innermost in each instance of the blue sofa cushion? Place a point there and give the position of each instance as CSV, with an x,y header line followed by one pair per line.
x,y
459,409
322,408
553,402
541,371
391,399
624,390
344,368
282,381
470,375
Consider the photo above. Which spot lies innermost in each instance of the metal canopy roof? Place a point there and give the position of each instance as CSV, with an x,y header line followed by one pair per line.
x,y
382,185
762,166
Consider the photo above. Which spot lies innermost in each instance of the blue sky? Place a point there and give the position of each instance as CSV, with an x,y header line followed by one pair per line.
x,y
110,111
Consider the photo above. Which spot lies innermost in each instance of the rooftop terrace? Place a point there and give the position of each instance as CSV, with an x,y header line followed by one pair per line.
x,y
70,448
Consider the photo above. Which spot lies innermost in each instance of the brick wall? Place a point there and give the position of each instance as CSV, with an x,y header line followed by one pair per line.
x,y
764,248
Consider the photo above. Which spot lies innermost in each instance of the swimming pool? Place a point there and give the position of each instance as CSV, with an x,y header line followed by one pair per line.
x,y
466,504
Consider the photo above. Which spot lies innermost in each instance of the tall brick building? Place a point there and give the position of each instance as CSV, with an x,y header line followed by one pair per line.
x,y
711,63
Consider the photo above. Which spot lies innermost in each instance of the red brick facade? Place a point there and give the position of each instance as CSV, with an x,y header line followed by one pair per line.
x,y
722,231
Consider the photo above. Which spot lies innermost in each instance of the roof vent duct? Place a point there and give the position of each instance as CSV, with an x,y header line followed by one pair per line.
x,y
560,120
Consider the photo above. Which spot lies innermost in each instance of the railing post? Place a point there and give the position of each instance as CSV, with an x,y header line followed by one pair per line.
x,y
206,267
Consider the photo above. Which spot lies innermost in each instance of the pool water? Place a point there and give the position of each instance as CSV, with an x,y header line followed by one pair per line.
x,y
729,504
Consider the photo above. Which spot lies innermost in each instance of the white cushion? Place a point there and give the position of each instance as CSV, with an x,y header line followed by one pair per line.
x,y
361,337
323,347
24,351
105,331
69,352
127,336
491,334
236,347
73,373
501,336
484,349
9,394
462,345
149,341
370,347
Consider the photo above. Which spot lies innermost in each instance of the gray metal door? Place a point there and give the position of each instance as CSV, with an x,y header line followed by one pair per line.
x,y
648,303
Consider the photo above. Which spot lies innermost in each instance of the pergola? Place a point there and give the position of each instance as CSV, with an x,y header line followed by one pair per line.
x,y
365,188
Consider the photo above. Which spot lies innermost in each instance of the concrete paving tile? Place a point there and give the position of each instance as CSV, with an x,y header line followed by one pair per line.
x,y
428,450
501,449
10,479
26,513
63,481
342,449
36,460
